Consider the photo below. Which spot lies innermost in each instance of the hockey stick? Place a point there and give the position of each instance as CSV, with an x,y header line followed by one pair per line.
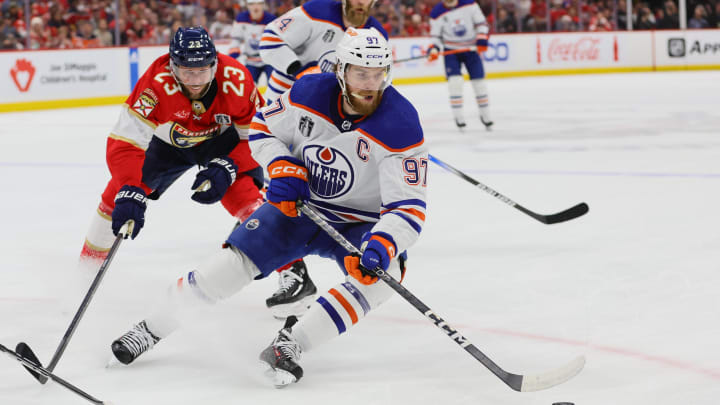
x,y
30,365
450,52
522,383
562,216
25,351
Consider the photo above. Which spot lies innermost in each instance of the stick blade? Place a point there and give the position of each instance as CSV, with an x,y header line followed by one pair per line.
x,y
553,377
23,350
570,213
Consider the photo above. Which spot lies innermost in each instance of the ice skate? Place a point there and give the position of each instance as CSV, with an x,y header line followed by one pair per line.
x,y
460,123
132,344
295,293
279,361
488,124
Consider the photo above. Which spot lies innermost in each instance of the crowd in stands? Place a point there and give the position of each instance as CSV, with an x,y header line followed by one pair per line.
x,y
94,23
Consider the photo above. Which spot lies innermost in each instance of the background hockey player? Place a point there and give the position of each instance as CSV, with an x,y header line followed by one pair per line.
x,y
302,40
192,106
246,33
306,37
357,126
460,24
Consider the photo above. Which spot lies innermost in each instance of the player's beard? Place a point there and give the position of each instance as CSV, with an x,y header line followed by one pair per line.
x,y
362,106
356,16
197,94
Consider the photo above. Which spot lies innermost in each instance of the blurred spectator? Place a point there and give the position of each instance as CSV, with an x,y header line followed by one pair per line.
x,y
670,18
221,27
622,15
645,19
39,34
698,19
85,35
506,21
103,34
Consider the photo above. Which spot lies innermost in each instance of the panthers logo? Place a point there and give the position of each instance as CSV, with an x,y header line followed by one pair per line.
x,y
330,173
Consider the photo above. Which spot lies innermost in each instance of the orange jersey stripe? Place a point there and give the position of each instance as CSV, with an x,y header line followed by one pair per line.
x,y
260,127
411,211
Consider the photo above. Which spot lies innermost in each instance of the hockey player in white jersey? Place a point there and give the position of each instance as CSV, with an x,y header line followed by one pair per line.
x,y
300,41
460,24
350,146
246,33
304,39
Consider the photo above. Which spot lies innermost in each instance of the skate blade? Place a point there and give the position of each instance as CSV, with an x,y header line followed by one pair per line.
x,y
112,362
298,308
279,378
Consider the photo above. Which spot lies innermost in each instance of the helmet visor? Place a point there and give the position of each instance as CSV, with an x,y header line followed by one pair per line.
x,y
193,76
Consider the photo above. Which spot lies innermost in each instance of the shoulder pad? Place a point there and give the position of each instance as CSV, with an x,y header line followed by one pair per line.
x,y
315,92
325,10
395,124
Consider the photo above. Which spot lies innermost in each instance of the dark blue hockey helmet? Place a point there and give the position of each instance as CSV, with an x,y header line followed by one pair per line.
x,y
192,47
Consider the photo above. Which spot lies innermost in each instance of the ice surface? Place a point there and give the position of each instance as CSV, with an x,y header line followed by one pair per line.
x,y
633,285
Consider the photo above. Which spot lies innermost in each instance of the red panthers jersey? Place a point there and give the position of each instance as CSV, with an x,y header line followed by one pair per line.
x,y
158,108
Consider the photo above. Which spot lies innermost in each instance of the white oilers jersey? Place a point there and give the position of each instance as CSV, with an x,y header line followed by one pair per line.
x,y
246,34
371,169
457,27
309,34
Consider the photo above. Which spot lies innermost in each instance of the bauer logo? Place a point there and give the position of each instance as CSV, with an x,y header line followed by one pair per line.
x,y
676,47
330,172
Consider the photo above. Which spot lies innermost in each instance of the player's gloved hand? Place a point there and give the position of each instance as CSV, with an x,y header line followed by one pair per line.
x,y
130,205
288,183
433,53
378,249
211,183
482,42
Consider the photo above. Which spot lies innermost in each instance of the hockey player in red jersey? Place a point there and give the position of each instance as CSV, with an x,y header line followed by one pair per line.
x,y
193,106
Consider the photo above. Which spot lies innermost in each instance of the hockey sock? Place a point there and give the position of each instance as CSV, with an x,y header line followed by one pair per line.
x,y
455,88
340,308
481,96
223,275
100,237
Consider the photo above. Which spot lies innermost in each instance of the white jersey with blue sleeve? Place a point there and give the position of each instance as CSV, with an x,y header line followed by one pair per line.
x,y
246,34
457,27
308,34
360,168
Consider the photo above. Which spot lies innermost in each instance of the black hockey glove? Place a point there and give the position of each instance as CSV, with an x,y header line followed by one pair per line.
x,y
212,183
130,205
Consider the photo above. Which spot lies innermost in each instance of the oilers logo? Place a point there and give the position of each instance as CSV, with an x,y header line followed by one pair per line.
x,y
459,28
254,43
330,172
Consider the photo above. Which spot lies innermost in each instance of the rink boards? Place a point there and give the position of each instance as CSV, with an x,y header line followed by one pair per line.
x,y
69,78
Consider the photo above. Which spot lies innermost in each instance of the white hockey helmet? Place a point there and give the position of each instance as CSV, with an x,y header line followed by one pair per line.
x,y
254,1
365,47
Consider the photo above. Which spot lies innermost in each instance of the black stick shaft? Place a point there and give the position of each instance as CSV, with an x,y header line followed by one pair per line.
x,y
514,381
566,215
84,305
49,375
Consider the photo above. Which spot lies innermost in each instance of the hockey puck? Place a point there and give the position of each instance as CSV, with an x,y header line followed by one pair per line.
x,y
563,403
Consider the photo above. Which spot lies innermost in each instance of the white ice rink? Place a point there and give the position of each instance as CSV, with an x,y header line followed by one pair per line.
x,y
633,285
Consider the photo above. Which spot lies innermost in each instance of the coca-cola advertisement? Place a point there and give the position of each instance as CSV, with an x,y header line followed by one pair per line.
x,y
577,49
